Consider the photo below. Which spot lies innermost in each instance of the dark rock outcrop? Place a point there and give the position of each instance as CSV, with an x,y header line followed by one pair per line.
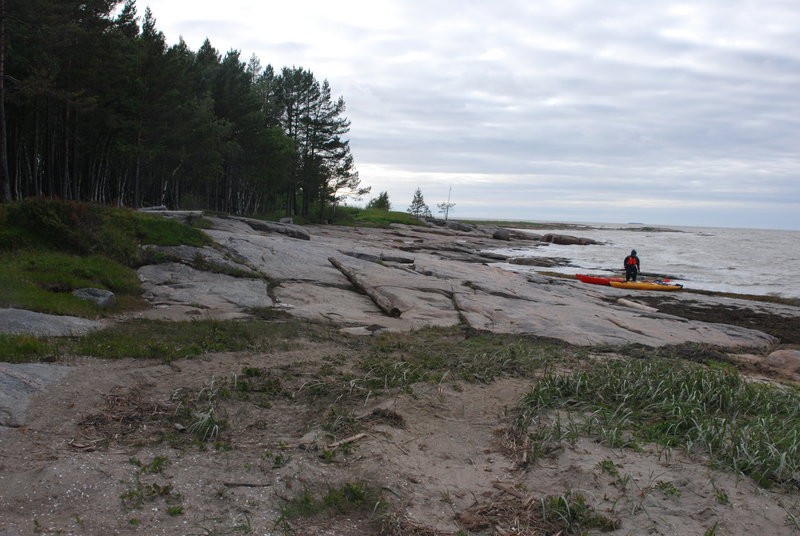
x,y
567,240
102,298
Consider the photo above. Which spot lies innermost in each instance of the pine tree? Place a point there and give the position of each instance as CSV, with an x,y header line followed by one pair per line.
x,y
418,208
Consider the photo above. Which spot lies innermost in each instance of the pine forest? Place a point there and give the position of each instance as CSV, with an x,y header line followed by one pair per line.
x,y
96,107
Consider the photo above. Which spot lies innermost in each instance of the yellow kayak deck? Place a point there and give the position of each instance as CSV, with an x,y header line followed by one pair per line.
x,y
645,285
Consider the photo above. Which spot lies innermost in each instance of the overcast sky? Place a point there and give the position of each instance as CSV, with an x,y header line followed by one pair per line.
x,y
663,112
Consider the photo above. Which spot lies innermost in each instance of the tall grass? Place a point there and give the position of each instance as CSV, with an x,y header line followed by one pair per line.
x,y
750,427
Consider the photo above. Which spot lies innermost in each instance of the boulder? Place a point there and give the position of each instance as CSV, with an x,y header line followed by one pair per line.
x,y
458,226
363,256
173,284
102,298
21,321
449,283
567,240
492,255
517,234
502,234
545,262
786,361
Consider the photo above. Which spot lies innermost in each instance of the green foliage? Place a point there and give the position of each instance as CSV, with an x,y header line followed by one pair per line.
x,y
42,281
381,202
85,229
206,426
155,339
147,492
166,232
751,428
24,348
418,208
51,248
352,497
372,217
573,515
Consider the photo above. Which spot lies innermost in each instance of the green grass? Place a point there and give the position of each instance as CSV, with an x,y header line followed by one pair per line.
x,y
751,428
86,229
571,514
351,498
42,281
155,339
50,248
398,361
353,216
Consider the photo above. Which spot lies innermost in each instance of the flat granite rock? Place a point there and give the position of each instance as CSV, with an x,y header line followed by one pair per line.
x,y
19,382
178,284
437,289
21,321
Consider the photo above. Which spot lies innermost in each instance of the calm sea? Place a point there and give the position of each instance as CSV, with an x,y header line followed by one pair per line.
x,y
744,261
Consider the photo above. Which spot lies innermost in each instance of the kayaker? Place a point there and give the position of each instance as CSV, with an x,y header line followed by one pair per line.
x,y
632,266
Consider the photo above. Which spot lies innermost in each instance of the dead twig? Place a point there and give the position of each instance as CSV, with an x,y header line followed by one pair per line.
x,y
509,489
351,439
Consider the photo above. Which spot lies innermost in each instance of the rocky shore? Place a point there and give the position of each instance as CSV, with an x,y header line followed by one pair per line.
x,y
72,430
407,277
367,280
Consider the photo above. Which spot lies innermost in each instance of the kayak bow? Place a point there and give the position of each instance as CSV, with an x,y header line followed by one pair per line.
x,y
595,280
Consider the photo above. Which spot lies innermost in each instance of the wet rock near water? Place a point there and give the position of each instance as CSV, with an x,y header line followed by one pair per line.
x,y
567,240
545,262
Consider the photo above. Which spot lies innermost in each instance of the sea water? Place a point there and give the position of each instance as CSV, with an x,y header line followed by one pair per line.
x,y
743,261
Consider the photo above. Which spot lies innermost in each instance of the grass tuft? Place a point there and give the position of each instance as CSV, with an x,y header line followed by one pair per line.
x,y
751,428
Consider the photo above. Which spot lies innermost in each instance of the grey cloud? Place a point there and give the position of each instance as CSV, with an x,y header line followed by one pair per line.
x,y
617,100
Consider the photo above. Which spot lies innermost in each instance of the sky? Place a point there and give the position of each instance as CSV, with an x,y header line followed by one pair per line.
x,y
615,111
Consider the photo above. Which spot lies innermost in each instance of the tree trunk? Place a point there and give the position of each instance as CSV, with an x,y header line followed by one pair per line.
x,y
383,302
3,136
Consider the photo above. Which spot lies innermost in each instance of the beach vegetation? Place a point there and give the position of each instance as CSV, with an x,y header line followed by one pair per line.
x,y
372,217
351,498
156,339
747,427
51,248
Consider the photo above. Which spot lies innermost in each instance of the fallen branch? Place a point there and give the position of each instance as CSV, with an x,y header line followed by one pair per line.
x,y
244,485
351,439
509,489
385,304
636,305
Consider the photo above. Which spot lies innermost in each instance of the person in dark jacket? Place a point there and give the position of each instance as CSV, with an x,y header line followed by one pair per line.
x,y
632,266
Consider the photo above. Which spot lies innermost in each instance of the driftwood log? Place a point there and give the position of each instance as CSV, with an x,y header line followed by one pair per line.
x,y
637,305
383,302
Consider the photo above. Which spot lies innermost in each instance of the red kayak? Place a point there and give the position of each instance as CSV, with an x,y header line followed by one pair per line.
x,y
594,280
